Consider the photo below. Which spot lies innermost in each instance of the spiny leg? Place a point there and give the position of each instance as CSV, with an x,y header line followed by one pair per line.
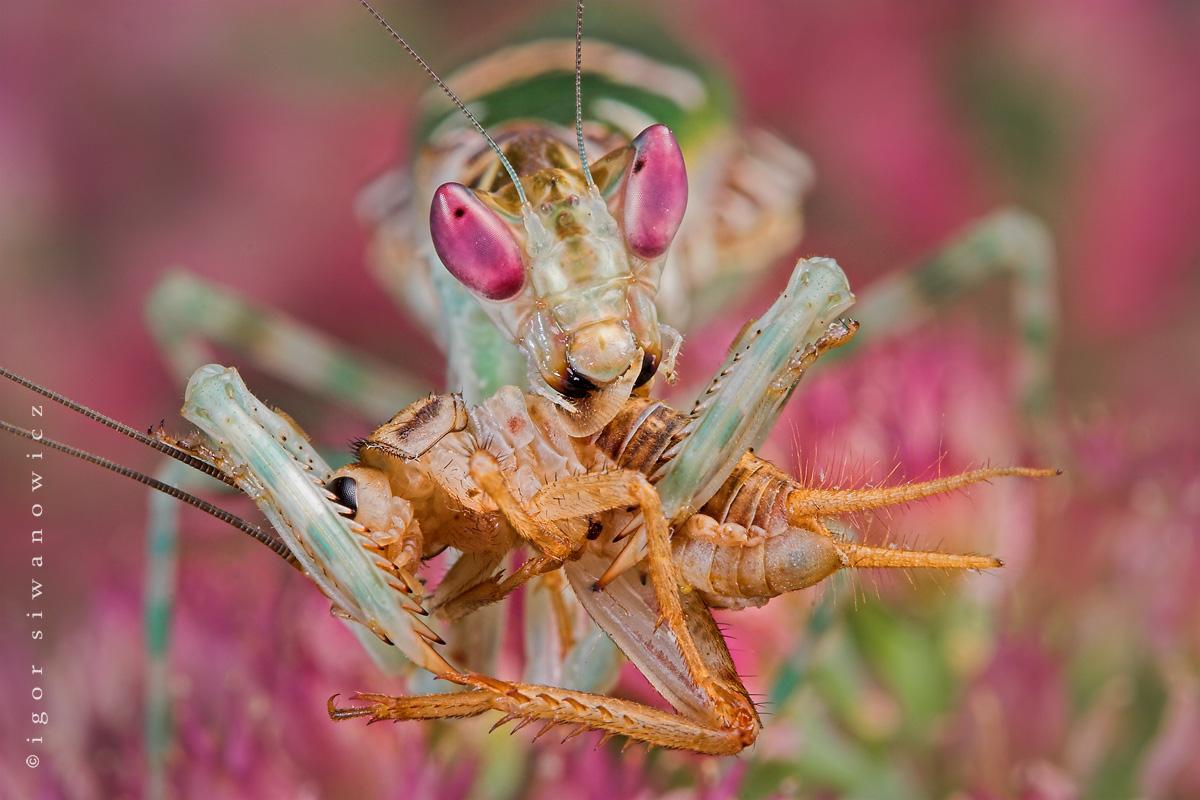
x,y
729,721
455,705
493,590
185,313
529,525
472,641
553,706
594,493
758,376
807,503
738,410
563,500
743,401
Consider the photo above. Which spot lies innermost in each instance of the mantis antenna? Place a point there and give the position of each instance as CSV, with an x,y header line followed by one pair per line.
x,y
587,172
512,173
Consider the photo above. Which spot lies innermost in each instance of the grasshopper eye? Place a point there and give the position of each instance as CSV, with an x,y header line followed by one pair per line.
x,y
346,491
576,385
649,367
474,244
655,192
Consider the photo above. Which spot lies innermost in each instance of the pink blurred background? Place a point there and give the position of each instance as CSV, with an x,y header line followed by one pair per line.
x,y
232,139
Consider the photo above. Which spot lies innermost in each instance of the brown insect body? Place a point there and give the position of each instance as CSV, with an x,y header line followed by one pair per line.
x,y
508,473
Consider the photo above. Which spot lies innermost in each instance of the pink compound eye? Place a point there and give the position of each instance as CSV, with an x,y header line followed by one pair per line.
x,y
655,192
474,243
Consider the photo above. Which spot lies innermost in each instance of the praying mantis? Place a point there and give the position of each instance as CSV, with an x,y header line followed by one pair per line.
x,y
479,363
511,472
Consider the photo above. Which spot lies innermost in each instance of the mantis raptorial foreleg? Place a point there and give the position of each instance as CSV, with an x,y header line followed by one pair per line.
x,y
748,393
741,405
188,315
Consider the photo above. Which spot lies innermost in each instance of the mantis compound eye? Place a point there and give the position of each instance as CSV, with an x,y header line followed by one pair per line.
x,y
346,491
655,192
474,244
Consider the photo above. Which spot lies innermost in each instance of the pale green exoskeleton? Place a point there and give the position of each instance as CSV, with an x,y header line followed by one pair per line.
x,y
274,465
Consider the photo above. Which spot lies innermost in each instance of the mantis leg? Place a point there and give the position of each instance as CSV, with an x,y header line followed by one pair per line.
x,y
745,398
719,719
493,590
162,537
1010,243
552,617
758,376
187,314
157,612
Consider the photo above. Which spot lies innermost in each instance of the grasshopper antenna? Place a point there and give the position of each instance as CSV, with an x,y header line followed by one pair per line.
x,y
508,167
179,455
276,544
587,172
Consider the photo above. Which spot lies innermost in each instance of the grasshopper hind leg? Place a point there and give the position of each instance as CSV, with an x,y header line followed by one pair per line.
x,y
679,648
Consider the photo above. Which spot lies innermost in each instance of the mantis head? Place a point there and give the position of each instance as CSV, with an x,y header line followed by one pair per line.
x,y
569,264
